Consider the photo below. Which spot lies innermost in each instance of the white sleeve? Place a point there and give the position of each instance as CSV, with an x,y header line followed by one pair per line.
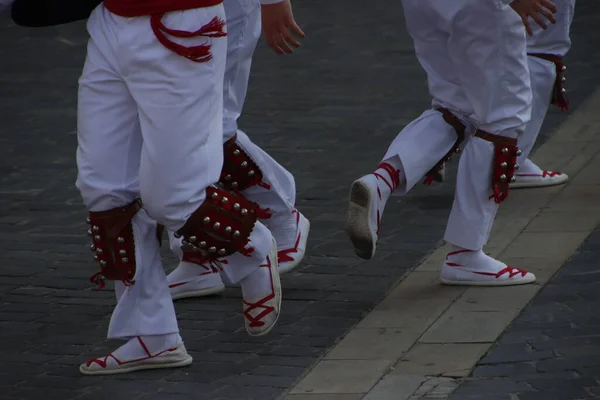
x,y
5,4
506,2
262,2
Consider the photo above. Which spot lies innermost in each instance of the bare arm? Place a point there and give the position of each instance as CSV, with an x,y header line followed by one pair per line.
x,y
279,26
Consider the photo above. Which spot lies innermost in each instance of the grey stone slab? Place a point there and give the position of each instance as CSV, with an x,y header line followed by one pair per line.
x,y
553,347
508,370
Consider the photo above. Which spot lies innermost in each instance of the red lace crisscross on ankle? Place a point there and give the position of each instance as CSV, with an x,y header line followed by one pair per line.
x,y
284,255
255,321
393,173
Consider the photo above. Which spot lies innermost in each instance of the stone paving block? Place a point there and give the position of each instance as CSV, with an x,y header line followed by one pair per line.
x,y
504,370
495,299
374,344
568,364
500,241
581,161
571,394
483,396
579,197
46,393
491,387
324,397
506,353
457,326
567,344
432,263
200,396
395,386
566,384
416,313
570,221
422,283
342,376
547,245
435,388
451,360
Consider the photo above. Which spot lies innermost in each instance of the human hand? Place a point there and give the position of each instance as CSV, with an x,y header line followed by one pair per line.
x,y
534,9
279,27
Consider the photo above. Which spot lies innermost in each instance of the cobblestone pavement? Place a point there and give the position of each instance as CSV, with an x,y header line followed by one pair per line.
x,y
327,114
552,350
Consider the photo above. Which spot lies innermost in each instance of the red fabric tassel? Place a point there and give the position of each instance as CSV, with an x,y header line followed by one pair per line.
x,y
200,53
98,279
263,213
247,251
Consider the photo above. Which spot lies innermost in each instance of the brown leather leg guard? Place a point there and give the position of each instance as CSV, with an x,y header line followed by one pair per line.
x,y
114,246
559,93
221,226
460,132
240,172
505,163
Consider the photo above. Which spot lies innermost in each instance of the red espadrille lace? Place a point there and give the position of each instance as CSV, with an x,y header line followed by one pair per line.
x,y
394,175
284,255
256,321
103,362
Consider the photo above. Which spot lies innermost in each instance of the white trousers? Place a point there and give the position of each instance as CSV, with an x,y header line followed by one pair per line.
x,y
243,33
149,126
555,40
475,57
244,29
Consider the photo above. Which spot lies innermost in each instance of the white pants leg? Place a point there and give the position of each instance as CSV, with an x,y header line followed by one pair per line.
x,y
237,266
542,74
475,59
244,26
556,38
419,146
149,126
553,40
243,32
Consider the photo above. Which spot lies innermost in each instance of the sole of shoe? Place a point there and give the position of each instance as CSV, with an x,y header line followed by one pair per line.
x,y
176,364
357,222
276,287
